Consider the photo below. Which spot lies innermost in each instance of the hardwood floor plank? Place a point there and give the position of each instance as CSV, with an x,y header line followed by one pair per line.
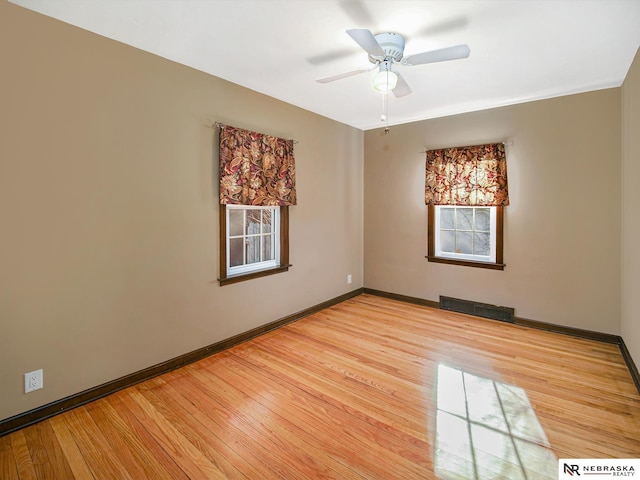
x,y
203,432
321,460
232,429
101,459
186,455
291,362
133,455
37,452
161,460
368,389
47,455
74,457
8,467
354,396
24,464
152,393
334,428
294,459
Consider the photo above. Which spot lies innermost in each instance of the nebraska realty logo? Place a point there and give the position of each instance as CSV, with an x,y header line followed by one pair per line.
x,y
598,467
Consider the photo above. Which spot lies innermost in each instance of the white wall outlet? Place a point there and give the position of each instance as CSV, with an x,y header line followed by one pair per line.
x,y
33,381
349,279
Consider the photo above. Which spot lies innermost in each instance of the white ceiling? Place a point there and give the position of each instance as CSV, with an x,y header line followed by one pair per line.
x,y
521,50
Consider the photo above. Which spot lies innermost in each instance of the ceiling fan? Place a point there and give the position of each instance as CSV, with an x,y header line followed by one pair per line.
x,y
387,49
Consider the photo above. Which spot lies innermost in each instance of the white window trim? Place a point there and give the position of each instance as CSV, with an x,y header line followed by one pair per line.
x,y
275,244
462,256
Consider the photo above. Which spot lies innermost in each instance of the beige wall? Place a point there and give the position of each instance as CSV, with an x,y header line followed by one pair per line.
x,y
562,228
631,209
109,241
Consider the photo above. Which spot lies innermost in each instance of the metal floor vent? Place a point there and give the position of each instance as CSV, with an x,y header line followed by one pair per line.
x,y
504,314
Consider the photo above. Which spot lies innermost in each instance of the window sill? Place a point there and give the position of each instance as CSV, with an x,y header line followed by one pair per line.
x,y
467,263
257,274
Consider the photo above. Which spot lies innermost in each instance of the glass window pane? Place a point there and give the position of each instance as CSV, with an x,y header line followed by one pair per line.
x,y
253,238
481,243
267,253
482,219
253,221
447,241
253,249
236,248
446,217
236,222
464,219
266,221
464,242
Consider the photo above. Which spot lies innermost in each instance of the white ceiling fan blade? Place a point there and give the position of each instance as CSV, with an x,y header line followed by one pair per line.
x,y
402,87
342,75
357,11
329,56
442,55
367,41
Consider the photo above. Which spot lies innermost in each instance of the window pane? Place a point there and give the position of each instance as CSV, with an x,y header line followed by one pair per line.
x,y
253,249
465,234
446,218
266,221
253,240
482,219
253,222
236,247
464,219
447,241
481,244
267,253
236,220
464,242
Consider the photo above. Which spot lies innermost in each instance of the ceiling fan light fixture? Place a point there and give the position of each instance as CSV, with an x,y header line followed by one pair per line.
x,y
384,80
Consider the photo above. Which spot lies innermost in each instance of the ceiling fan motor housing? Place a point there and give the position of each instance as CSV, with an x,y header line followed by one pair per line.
x,y
392,44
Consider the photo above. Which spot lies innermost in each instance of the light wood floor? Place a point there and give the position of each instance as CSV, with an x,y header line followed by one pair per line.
x,y
368,389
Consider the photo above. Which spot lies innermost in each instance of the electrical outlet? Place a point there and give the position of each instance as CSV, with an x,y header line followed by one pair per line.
x,y
349,279
33,381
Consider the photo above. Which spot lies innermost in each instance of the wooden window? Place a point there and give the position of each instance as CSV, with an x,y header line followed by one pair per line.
x,y
470,236
254,242
466,191
257,185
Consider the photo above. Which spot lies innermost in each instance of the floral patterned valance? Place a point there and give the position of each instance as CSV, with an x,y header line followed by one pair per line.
x,y
256,169
473,176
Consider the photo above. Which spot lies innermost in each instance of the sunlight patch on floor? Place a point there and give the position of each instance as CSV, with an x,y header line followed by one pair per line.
x,y
488,430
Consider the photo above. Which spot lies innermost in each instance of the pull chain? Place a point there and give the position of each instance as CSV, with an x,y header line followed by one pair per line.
x,y
385,112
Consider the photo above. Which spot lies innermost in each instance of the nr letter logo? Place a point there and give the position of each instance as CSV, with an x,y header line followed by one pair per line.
x,y
572,469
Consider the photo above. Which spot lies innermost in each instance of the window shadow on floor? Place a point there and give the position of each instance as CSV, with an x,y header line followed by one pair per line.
x,y
488,430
